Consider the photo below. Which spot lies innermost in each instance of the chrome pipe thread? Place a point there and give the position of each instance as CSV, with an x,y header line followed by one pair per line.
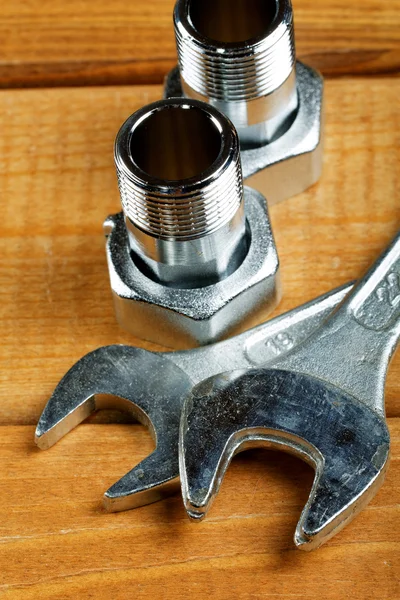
x,y
240,57
180,180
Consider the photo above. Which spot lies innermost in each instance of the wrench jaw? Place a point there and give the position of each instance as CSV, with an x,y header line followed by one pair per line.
x,y
74,398
147,385
151,480
53,426
345,441
314,527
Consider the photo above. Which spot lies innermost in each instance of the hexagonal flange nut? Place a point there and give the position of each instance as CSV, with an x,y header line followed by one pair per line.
x,y
293,162
186,318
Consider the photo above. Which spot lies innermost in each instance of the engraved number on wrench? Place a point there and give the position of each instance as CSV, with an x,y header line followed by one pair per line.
x,y
380,308
389,292
280,343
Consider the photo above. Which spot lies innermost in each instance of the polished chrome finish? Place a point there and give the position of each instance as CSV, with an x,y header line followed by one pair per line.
x,y
275,102
241,59
293,161
181,187
323,401
194,258
153,387
192,263
185,317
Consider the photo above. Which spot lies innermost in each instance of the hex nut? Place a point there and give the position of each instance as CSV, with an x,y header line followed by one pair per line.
x,y
291,163
186,318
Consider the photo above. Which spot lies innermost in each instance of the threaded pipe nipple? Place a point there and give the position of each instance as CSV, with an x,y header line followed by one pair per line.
x,y
240,57
180,180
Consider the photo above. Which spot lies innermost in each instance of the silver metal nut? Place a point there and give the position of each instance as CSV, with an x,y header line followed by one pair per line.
x,y
293,162
241,59
186,318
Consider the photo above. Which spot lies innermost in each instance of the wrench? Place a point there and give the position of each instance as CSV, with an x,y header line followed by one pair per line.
x,y
323,401
153,386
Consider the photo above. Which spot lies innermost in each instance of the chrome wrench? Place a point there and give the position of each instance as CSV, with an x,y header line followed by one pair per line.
x,y
153,387
323,400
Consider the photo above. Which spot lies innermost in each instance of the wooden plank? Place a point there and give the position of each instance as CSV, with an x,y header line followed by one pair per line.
x,y
57,184
96,43
57,542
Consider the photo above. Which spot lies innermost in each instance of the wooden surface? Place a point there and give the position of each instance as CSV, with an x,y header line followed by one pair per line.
x,y
58,543
57,184
54,42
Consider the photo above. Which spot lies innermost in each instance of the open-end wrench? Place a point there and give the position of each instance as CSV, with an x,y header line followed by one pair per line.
x,y
153,387
324,401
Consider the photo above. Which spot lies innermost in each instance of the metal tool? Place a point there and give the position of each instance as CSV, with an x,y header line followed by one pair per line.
x,y
153,387
240,57
323,401
192,257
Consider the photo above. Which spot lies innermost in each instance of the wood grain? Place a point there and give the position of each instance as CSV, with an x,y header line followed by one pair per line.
x,y
57,542
99,42
57,184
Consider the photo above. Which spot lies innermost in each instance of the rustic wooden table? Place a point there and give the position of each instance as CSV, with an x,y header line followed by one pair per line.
x,y
57,184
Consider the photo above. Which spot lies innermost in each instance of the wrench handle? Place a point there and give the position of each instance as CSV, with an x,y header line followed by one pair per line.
x,y
262,344
274,339
375,302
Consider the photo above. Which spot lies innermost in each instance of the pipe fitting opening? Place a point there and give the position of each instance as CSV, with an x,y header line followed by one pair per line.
x,y
175,143
233,21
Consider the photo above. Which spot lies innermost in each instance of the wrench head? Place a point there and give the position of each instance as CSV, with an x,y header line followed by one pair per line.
x,y
149,386
345,441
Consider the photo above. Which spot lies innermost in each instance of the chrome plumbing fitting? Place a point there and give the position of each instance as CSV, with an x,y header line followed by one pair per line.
x,y
240,57
192,258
